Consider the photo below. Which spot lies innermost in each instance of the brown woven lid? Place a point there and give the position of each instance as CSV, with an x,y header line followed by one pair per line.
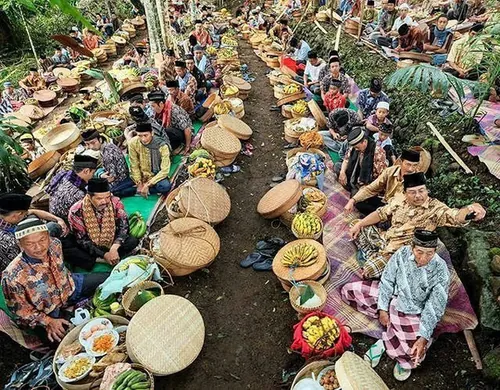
x,y
354,373
32,112
291,98
317,113
235,126
67,82
132,88
166,335
205,199
257,38
119,40
299,273
137,21
44,95
61,72
237,82
189,243
279,199
221,142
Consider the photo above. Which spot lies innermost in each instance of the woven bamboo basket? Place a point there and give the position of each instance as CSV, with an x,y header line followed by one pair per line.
x,y
321,277
288,125
287,99
205,199
286,111
212,100
318,211
318,289
317,114
279,199
225,95
297,115
130,294
87,382
312,236
235,126
237,105
172,214
291,136
164,262
222,144
287,217
311,272
278,91
169,343
312,367
32,112
41,165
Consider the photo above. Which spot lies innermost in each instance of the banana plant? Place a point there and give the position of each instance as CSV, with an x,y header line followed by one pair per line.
x,y
112,84
13,170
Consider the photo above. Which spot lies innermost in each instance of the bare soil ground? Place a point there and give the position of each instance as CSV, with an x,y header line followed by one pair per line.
x,y
247,315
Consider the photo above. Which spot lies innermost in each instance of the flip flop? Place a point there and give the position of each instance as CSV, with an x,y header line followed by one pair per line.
x,y
251,259
375,353
266,265
401,374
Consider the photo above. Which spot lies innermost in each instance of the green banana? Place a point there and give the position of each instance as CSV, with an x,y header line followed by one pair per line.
x,y
138,378
121,378
140,386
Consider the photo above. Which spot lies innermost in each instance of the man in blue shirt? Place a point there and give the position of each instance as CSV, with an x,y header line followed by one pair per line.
x,y
302,49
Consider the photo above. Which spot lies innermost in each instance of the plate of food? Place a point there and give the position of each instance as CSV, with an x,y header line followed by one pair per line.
x,y
92,328
328,379
76,368
102,342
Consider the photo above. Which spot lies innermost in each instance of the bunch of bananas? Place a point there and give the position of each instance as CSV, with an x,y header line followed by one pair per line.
x,y
300,255
228,41
300,107
114,132
211,51
320,333
137,225
222,108
226,54
102,307
199,153
311,139
202,167
131,380
138,261
306,225
290,89
231,90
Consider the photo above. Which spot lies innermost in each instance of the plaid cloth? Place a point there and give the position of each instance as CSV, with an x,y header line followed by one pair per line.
x,y
402,331
345,268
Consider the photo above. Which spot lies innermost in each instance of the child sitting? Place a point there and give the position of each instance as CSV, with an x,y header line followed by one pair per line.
x,y
334,97
383,139
374,121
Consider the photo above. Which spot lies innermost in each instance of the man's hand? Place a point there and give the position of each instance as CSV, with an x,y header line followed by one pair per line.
x,y
63,226
349,206
143,190
478,209
112,257
354,231
418,350
55,329
185,152
334,134
383,318
342,178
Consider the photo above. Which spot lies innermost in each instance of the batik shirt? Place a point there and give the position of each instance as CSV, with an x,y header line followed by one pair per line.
x,y
5,107
418,290
114,162
187,83
352,119
8,244
344,80
386,20
33,289
65,195
180,118
77,225
367,103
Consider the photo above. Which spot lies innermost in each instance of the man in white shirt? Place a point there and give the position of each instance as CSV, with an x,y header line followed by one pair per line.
x,y
311,73
403,18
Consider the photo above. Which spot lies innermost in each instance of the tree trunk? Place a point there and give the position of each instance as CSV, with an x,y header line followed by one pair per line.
x,y
29,35
108,8
154,32
161,17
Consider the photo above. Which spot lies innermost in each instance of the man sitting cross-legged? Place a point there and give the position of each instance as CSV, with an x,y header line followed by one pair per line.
x,y
100,224
409,301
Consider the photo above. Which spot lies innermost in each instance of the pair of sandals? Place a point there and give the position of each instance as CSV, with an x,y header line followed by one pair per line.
x,y
262,258
35,375
375,353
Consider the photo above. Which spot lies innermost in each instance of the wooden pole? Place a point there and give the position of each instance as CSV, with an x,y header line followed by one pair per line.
x,y
337,39
449,148
361,16
471,343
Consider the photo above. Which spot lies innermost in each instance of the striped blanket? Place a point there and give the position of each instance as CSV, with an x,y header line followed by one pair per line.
x,y
341,252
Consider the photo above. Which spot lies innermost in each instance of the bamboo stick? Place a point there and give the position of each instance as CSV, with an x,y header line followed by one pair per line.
x,y
471,343
337,39
449,148
361,16
320,27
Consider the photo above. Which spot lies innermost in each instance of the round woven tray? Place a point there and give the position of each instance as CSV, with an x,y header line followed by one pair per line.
x,y
238,82
317,114
31,111
220,142
318,289
205,199
61,72
300,273
279,199
291,98
235,126
314,236
211,100
129,295
45,96
166,335
189,243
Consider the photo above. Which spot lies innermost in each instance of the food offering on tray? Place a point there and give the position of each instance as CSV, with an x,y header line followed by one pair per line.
x,y
312,200
290,89
76,368
222,108
202,167
300,107
311,139
320,333
102,307
328,379
91,328
303,125
300,255
69,351
306,225
102,342
137,261
132,380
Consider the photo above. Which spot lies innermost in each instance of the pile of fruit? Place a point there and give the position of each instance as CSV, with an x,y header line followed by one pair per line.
x,y
290,89
300,255
137,225
222,108
329,380
114,132
150,80
300,107
102,307
231,91
202,167
320,333
228,41
211,51
312,200
131,380
144,296
306,225
226,54
125,73
139,261
199,153
311,139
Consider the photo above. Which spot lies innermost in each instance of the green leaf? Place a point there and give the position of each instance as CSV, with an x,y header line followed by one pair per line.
x,y
306,295
66,7
94,73
112,86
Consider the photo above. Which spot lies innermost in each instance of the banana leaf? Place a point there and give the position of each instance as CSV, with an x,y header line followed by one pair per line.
x,y
94,73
